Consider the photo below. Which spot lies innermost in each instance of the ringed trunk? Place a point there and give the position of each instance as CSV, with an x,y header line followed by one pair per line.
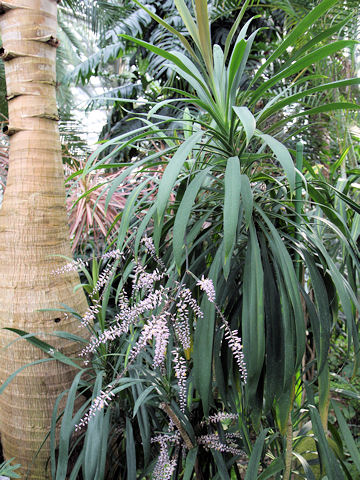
x,y
33,230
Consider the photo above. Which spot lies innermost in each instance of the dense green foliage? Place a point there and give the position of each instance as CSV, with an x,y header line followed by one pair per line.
x,y
213,155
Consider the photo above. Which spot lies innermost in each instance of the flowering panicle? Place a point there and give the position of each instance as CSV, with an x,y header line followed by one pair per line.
x,y
90,314
221,417
231,336
156,328
186,298
156,311
149,245
98,404
235,345
113,254
212,441
144,279
164,467
181,375
103,279
72,266
207,286
108,335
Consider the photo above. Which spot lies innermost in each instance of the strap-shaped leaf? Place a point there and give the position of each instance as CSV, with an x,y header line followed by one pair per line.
x,y
66,429
93,439
190,463
248,121
170,28
204,339
332,467
203,29
282,154
172,171
128,212
235,61
130,451
253,465
253,329
231,204
247,198
234,28
188,21
293,36
270,110
346,433
183,215
300,64
293,317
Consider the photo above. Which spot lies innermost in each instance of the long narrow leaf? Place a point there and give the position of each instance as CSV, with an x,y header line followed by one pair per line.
x,y
231,204
172,171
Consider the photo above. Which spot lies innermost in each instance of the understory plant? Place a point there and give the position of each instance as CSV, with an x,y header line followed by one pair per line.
x,y
137,379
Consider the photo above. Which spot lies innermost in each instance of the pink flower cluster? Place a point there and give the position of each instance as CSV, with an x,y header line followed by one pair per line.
x,y
207,286
98,404
72,266
158,329
165,466
212,441
181,374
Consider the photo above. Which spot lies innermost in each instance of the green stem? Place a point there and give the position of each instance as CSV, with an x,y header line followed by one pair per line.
x,y
289,437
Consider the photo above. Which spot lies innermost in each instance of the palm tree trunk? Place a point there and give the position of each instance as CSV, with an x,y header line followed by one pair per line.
x,y
33,228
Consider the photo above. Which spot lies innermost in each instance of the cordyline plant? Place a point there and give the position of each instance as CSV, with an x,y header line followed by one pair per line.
x,y
240,217
88,217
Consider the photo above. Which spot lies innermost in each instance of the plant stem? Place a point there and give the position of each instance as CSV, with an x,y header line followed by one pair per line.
x,y
288,454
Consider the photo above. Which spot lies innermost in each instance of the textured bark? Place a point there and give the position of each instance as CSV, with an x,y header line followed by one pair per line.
x,y
33,228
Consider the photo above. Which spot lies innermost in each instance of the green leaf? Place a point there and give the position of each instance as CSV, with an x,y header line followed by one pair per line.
x,y
301,64
273,108
128,212
171,173
220,465
168,27
248,121
235,62
253,328
45,347
293,318
130,451
141,398
324,316
190,463
231,204
94,441
296,33
247,198
332,467
204,339
219,74
203,30
234,28
253,465
275,467
346,433
66,430
283,156
183,214
307,470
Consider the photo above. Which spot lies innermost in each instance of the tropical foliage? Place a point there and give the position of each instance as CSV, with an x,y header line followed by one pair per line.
x,y
231,269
